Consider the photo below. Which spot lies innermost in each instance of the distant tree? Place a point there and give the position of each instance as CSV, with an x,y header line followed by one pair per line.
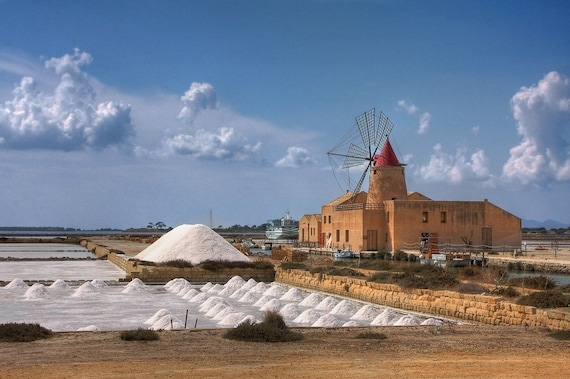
x,y
160,225
150,225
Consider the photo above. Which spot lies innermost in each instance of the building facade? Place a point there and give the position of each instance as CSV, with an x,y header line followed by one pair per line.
x,y
390,218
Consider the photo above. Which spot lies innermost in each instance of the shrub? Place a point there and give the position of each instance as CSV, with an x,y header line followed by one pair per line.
x,y
544,299
563,335
22,332
271,329
372,336
294,266
344,271
379,277
139,335
400,256
471,288
220,265
180,263
535,282
506,292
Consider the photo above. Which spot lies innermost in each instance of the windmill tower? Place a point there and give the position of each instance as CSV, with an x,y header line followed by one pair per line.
x,y
387,179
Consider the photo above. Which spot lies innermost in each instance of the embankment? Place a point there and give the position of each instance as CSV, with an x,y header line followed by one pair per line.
x,y
480,308
148,272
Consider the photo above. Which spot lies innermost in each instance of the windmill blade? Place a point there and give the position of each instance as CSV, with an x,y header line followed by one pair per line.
x,y
366,125
355,156
361,181
385,127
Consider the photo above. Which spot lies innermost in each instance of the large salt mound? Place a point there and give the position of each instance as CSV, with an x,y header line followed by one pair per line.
x,y
386,318
327,321
271,305
16,284
366,313
308,317
192,243
344,308
86,289
290,311
407,320
312,300
327,304
294,294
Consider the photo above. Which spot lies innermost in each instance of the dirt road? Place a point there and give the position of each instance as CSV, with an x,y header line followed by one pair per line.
x,y
419,352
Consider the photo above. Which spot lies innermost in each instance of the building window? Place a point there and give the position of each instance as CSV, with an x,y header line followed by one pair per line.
x,y
325,220
329,219
443,217
424,217
337,235
346,235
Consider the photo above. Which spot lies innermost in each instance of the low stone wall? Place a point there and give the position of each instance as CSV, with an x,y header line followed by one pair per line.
x,y
480,308
543,266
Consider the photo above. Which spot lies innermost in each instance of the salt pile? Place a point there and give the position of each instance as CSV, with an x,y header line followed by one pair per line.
x,y
259,288
432,322
249,297
233,319
366,313
350,324
235,282
239,293
157,316
212,312
227,291
327,321
290,311
387,317
206,305
271,305
59,284
86,289
98,283
206,287
312,300
89,328
249,284
190,293
17,283
36,292
344,308
136,285
275,291
308,317
327,304
199,298
223,313
167,322
215,288
192,243
293,294
407,320
261,302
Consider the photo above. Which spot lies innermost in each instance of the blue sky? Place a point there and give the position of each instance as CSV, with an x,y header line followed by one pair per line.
x,y
120,113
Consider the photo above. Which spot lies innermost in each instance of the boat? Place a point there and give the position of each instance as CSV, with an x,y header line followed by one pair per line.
x,y
282,228
446,260
340,254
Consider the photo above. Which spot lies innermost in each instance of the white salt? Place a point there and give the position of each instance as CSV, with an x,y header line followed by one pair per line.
x,y
190,293
308,317
239,293
59,284
172,282
350,324
259,288
89,328
432,322
223,313
290,311
233,319
235,281
214,310
249,297
327,304
312,300
345,308
327,321
136,285
17,283
261,302
167,322
407,320
249,284
86,289
275,291
206,287
199,298
271,305
386,318
98,283
366,313
215,288
227,291
192,243
157,316
36,292
208,304
294,294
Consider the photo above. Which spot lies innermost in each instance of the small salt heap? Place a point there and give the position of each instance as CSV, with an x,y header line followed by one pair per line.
x,y
16,284
86,289
294,294
59,284
366,313
192,243
36,292
136,285
308,317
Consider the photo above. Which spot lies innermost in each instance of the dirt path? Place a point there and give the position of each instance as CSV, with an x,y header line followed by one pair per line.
x,y
419,352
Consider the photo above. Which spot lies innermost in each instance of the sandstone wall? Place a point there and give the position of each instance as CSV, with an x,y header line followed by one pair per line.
x,y
481,308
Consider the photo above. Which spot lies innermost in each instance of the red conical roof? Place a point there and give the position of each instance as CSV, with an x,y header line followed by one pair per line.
x,y
387,157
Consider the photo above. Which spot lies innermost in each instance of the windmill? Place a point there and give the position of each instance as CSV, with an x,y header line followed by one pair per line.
x,y
359,147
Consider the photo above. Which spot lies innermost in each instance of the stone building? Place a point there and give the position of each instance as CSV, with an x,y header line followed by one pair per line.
x,y
390,218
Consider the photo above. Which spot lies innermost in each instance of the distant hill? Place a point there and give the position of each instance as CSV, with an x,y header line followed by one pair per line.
x,y
548,224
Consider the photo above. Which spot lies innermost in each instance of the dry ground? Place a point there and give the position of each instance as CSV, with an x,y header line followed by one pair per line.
x,y
468,351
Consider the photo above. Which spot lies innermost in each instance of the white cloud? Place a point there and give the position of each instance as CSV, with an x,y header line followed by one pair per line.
x,y
410,108
67,119
198,97
456,168
542,113
296,157
475,130
225,144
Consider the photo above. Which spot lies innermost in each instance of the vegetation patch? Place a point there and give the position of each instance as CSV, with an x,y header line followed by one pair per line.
x,y
535,282
271,329
420,277
139,335
294,266
220,265
563,335
336,271
506,292
23,332
179,263
471,288
371,336
545,299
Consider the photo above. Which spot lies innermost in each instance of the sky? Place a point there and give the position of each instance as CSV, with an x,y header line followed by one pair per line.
x,y
115,114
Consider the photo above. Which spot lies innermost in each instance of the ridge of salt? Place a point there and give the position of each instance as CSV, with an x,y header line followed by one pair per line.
x,y
327,320
327,304
366,313
407,320
271,305
167,322
344,308
294,294
386,318
308,317
275,291
192,243
312,300
157,316
17,284
290,311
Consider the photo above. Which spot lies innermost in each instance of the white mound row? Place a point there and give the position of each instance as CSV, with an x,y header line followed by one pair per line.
x,y
97,306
